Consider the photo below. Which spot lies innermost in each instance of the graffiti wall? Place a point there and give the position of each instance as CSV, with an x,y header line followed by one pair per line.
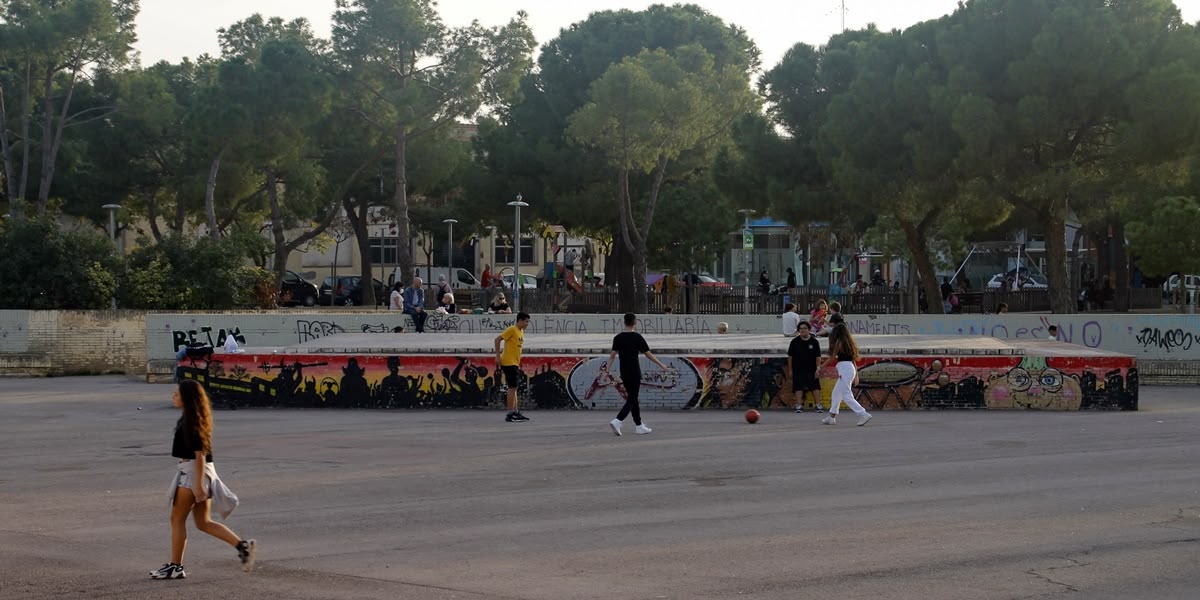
x,y
1150,337
557,382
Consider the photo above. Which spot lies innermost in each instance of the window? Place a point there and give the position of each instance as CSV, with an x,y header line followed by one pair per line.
x,y
504,253
383,251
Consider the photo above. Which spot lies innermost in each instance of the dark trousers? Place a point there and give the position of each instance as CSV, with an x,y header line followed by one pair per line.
x,y
418,318
632,386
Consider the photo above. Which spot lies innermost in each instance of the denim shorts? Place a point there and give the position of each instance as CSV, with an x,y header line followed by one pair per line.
x,y
184,480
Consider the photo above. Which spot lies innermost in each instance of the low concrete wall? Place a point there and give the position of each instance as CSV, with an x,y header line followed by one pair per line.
x,y
1148,337
129,341
59,342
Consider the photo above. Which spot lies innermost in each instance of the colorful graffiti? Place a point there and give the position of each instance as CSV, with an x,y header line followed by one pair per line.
x,y
559,382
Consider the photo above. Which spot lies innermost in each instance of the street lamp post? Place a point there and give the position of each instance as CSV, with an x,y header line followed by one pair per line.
x,y
747,248
450,250
112,233
516,292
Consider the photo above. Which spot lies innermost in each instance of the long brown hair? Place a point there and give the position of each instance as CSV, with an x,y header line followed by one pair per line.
x,y
841,342
197,414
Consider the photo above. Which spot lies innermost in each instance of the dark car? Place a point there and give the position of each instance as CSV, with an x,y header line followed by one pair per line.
x,y
294,289
347,291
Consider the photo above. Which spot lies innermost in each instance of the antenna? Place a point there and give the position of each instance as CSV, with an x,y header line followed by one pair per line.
x,y
843,11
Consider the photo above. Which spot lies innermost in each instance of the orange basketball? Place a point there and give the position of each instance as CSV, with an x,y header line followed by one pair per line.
x,y
752,416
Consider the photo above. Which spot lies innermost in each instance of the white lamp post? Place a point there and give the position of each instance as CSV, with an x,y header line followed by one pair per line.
x,y
112,232
746,212
516,292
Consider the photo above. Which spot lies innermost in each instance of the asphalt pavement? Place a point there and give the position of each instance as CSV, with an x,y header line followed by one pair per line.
x,y
433,505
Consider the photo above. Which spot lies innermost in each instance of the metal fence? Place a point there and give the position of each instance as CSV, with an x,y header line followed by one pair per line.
x,y
733,301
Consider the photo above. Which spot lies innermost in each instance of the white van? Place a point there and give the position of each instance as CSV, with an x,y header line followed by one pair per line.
x,y
459,278
1191,284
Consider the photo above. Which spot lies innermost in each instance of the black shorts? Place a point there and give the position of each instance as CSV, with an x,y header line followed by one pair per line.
x,y
806,381
512,375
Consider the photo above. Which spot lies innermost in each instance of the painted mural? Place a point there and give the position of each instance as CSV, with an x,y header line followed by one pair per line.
x,y
557,382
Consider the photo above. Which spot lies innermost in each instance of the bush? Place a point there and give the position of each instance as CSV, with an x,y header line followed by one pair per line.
x,y
188,274
47,268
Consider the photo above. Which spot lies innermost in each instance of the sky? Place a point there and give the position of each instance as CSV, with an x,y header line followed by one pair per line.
x,y
173,29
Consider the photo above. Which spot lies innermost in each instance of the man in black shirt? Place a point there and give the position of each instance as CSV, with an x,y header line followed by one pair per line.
x,y
628,345
803,354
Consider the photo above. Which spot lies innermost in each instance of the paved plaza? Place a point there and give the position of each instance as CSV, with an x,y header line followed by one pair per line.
x,y
434,505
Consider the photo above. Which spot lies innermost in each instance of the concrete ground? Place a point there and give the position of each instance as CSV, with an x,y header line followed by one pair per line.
x,y
441,505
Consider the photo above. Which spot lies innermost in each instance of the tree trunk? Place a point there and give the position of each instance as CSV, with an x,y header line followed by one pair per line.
x,y
619,270
180,215
280,241
1120,268
152,213
357,215
52,141
210,203
1062,301
10,182
400,204
1076,267
47,131
18,206
918,246
640,294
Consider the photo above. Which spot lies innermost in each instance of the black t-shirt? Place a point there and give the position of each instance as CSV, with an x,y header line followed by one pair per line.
x,y
187,443
628,345
804,354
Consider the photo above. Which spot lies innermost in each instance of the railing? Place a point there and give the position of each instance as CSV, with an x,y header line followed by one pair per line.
x,y
733,301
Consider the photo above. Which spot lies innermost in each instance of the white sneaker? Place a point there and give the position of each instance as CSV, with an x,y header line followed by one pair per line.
x,y
616,426
863,418
642,429
820,409
829,420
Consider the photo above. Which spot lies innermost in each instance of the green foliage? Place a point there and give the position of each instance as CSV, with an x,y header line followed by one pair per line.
x,y
45,267
181,273
47,48
527,148
1165,239
413,76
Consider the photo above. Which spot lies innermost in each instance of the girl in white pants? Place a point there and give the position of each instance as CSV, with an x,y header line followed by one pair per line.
x,y
843,349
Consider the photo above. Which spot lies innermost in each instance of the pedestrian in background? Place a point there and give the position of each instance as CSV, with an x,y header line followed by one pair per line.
x,y
195,483
628,346
414,304
508,362
844,352
804,353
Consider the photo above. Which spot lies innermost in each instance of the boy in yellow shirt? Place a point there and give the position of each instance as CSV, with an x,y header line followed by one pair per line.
x,y
509,363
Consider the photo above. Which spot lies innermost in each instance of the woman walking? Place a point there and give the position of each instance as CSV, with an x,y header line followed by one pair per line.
x,y
195,482
843,350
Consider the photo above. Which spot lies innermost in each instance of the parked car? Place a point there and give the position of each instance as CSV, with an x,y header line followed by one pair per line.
x,y
458,277
528,282
703,280
294,289
346,290
1027,280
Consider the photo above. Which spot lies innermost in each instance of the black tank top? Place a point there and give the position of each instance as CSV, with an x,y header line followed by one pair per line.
x,y
843,357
